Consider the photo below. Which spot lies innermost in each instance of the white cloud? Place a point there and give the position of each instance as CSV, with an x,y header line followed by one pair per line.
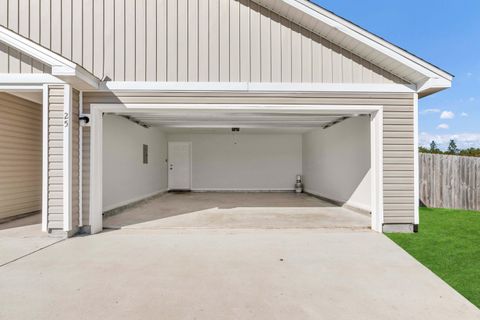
x,y
433,110
443,126
464,114
447,115
463,140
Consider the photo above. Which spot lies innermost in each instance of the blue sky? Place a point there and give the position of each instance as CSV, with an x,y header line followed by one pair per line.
x,y
443,32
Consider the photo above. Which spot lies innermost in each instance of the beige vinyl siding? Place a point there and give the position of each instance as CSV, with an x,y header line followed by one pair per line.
x,y
55,157
398,131
170,40
20,156
13,61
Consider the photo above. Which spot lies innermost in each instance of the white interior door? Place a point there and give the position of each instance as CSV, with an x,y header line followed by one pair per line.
x,y
179,165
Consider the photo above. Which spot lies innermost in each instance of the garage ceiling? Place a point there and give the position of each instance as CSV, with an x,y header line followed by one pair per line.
x,y
260,121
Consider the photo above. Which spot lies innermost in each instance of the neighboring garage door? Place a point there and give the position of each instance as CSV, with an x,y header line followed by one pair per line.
x,y
20,156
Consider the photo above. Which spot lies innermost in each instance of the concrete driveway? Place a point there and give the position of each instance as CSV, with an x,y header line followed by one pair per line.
x,y
226,274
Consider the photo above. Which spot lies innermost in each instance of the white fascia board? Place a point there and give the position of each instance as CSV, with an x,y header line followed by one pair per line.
x,y
254,87
79,77
61,66
34,50
362,36
432,85
25,79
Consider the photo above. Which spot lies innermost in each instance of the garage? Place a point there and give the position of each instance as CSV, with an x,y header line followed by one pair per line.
x,y
247,94
236,168
20,155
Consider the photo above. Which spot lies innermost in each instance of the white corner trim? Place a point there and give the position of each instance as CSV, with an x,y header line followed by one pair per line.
x,y
376,145
45,159
416,168
80,161
67,158
96,170
254,87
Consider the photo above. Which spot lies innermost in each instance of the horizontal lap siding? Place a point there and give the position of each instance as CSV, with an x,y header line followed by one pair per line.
x,y
182,40
20,156
398,131
55,156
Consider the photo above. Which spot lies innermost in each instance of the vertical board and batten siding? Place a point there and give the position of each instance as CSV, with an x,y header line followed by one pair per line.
x,y
20,156
448,181
183,41
398,132
55,157
13,61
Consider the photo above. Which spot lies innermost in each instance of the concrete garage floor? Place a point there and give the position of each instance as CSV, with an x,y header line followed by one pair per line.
x,y
22,237
211,257
226,274
224,210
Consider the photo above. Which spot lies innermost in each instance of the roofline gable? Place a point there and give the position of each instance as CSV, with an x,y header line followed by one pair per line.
x,y
61,67
333,27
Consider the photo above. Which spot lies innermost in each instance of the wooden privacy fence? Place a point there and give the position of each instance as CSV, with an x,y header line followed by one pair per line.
x,y
449,181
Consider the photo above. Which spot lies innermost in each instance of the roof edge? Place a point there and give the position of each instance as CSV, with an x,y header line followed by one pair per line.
x,y
61,67
362,35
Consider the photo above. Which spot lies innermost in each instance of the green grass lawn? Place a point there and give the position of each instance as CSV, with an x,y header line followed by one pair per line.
x,y
448,243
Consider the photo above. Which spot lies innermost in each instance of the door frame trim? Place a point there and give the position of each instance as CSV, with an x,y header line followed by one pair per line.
x,y
189,143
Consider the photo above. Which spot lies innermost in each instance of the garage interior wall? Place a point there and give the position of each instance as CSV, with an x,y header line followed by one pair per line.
x,y
244,161
21,156
125,177
336,162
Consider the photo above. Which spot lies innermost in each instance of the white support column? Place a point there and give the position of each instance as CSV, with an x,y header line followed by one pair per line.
x,y
416,187
67,159
80,164
96,170
376,142
45,159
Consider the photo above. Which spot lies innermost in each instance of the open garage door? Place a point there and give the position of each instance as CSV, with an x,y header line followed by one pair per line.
x,y
334,149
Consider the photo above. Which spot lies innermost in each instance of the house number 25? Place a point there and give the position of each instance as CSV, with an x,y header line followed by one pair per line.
x,y
65,119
